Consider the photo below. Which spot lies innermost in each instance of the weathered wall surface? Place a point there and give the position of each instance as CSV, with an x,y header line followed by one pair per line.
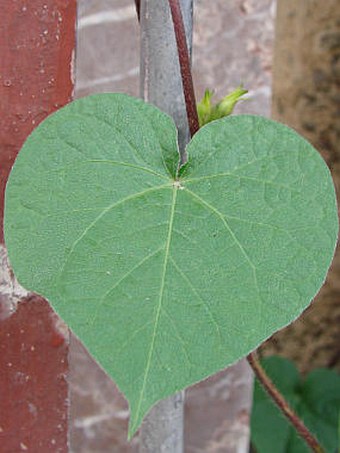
x,y
306,96
37,41
232,44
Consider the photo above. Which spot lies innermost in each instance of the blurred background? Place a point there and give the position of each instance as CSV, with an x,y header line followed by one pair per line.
x,y
287,54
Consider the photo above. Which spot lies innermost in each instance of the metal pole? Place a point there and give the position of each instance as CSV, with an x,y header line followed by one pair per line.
x,y
161,85
160,77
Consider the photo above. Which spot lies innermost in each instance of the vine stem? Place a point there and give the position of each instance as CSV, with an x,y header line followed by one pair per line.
x,y
185,66
283,404
137,3
190,103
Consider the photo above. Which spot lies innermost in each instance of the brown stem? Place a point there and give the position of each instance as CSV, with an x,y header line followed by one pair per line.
x,y
283,405
137,3
185,66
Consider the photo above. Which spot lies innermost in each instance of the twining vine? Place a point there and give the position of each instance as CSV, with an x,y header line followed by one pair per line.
x,y
193,122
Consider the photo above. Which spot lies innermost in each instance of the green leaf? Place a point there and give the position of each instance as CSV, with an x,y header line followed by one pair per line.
x,y
316,400
168,280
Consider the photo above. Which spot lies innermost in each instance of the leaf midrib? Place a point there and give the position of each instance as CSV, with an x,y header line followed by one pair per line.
x,y
159,307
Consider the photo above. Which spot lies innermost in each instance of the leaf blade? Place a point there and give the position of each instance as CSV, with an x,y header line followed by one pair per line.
x,y
159,303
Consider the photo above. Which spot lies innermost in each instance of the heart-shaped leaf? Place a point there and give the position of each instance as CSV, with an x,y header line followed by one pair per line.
x,y
168,279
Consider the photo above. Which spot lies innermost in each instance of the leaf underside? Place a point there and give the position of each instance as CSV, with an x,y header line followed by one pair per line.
x,y
167,280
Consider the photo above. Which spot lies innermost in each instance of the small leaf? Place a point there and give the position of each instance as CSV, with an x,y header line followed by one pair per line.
x,y
316,400
168,280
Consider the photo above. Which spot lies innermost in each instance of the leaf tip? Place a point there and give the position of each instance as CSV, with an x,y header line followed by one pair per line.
x,y
134,425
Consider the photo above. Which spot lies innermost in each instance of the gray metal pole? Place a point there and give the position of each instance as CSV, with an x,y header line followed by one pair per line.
x,y
161,85
160,77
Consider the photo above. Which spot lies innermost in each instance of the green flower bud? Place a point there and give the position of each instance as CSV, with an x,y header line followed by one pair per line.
x,y
204,108
226,106
208,112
